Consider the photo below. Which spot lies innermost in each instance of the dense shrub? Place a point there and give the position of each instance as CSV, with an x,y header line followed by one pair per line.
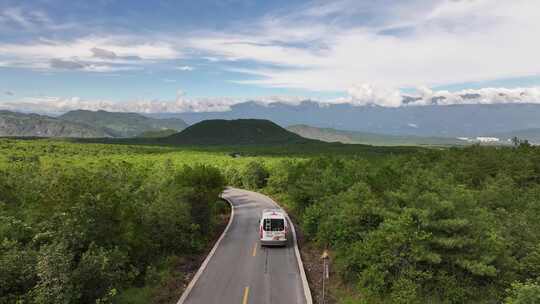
x,y
524,293
81,235
448,226
83,223
200,186
17,271
255,175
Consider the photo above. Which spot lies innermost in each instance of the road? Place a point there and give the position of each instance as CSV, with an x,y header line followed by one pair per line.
x,y
242,272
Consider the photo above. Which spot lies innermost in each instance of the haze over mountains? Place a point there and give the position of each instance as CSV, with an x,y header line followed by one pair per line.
x,y
356,137
469,120
369,124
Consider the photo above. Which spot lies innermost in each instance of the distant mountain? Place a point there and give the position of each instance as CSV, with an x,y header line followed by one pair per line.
x,y
453,121
355,137
157,133
323,134
122,124
235,132
20,125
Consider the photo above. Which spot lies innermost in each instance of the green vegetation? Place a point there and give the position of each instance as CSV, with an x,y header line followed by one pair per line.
x,y
157,133
101,222
524,293
83,227
437,226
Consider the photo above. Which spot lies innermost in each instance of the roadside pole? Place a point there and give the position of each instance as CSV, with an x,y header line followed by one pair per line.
x,y
325,274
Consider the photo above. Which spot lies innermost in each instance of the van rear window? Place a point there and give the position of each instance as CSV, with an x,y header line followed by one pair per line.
x,y
274,225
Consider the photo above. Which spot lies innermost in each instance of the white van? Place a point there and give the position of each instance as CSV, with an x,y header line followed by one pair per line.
x,y
273,228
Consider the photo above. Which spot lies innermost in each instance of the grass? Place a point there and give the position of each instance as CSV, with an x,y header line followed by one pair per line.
x,y
139,152
60,152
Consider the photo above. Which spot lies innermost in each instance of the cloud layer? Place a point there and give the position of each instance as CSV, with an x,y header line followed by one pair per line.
x,y
410,44
364,95
366,50
370,95
92,54
181,104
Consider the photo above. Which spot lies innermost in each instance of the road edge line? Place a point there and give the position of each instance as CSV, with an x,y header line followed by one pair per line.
x,y
199,272
305,284
307,291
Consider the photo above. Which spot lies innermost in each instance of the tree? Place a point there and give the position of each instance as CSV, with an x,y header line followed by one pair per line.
x,y
523,293
55,272
200,186
255,175
100,272
17,271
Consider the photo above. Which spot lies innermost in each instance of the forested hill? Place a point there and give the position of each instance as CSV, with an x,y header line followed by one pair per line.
x,y
122,124
34,125
157,133
235,132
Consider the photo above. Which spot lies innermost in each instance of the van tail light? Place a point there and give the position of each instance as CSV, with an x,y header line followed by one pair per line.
x,y
260,232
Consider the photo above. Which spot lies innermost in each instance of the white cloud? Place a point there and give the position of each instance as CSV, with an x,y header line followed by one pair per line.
x,y
95,53
28,19
478,96
367,49
49,104
185,68
367,94
16,16
363,95
445,42
182,103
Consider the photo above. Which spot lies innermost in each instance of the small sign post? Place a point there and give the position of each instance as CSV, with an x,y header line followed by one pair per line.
x,y
326,273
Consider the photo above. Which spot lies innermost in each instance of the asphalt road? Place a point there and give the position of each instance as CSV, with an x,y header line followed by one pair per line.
x,y
242,272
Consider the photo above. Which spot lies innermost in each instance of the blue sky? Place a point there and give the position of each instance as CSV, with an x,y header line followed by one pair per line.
x,y
203,55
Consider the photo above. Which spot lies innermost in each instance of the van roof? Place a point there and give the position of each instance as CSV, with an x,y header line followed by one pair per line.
x,y
273,213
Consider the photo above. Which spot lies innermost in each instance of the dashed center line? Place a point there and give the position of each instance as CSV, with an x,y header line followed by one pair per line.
x,y
254,253
246,295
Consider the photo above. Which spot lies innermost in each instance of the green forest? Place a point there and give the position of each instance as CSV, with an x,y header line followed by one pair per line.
x,y
79,227
103,223
438,226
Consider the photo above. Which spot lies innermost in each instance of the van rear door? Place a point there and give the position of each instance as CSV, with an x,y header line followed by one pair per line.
x,y
274,228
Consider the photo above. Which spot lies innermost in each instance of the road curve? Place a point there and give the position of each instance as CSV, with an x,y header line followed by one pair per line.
x,y
240,271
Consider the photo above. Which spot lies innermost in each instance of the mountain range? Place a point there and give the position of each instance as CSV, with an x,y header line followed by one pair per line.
x,y
356,137
119,124
467,120
18,124
406,125
84,124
